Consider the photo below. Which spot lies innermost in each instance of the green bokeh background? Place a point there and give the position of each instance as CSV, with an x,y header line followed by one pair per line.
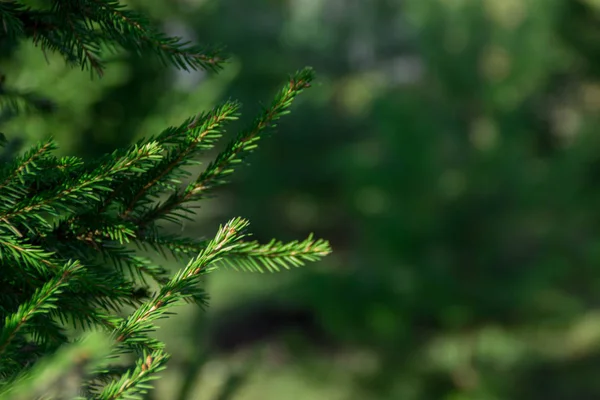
x,y
449,152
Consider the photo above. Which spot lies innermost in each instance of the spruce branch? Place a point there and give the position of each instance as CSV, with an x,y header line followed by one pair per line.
x,y
235,152
71,194
78,30
248,256
81,39
191,137
133,330
42,301
253,256
16,251
134,382
65,224
183,284
134,32
26,164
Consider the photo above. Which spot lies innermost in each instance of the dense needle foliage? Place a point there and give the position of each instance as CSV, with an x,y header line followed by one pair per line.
x,y
66,224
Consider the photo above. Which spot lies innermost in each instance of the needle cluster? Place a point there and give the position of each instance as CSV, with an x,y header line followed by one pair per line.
x,y
67,225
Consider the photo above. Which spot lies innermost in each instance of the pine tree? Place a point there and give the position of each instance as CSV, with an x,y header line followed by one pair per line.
x,y
65,224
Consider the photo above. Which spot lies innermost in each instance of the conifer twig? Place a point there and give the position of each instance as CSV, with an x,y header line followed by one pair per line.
x,y
65,223
245,142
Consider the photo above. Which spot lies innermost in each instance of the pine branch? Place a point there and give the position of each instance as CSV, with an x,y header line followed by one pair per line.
x,y
234,154
134,382
192,136
248,256
16,252
182,285
25,165
252,256
42,302
65,224
78,30
80,38
72,194
132,31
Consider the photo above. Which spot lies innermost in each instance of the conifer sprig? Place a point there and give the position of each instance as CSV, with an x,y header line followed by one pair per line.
x,y
83,189
134,383
80,30
65,224
187,140
134,32
248,256
183,284
234,153
98,289
24,165
42,301
253,256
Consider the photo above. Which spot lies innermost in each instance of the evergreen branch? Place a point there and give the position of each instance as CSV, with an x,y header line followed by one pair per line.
x,y
200,134
132,31
246,142
70,194
25,163
26,254
105,376
134,383
41,302
194,125
107,235
88,51
64,33
83,40
77,29
89,228
58,215
249,256
97,290
247,139
111,323
145,266
181,285
252,256
47,331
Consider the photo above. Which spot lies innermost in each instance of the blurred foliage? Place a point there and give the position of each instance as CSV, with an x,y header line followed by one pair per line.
x,y
450,155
